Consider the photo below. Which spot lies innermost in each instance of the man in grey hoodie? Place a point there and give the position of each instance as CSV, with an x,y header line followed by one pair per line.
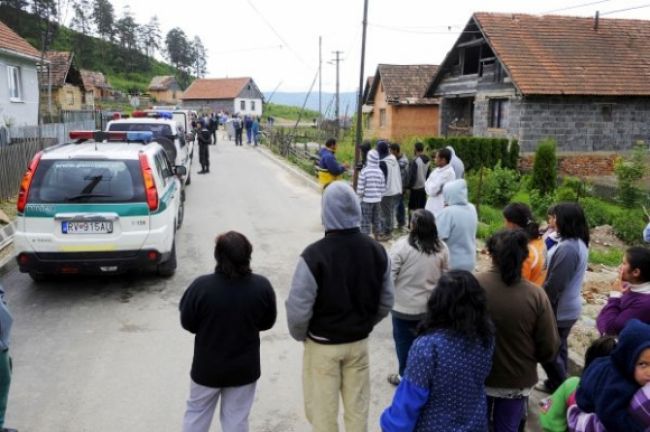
x,y
457,223
341,288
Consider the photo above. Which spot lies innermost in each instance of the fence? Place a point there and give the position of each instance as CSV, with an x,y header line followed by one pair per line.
x,y
299,147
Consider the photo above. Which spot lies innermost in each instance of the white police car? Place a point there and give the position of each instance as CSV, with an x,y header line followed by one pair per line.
x,y
165,131
109,203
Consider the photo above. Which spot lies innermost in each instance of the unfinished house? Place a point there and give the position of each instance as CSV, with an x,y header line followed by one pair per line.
x,y
583,81
394,104
61,84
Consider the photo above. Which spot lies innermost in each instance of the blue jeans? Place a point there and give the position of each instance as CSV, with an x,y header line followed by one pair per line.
x,y
505,415
400,212
5,381
556,369
404,335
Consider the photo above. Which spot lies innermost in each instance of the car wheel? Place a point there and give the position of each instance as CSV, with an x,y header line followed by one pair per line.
x,y
168,268
37,276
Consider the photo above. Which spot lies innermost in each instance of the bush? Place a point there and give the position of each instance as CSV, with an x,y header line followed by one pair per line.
x,y
513,155
540,203
545,167
565,194
499,185
597,212
490,221
629,172
628,226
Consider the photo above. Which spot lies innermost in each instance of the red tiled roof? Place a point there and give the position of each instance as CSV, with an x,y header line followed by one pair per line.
x,y
10,41
60,62
565,55
162,82
215,88
403,84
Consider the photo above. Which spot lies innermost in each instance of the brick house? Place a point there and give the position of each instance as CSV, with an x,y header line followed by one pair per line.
x,y
164,89
231,95
583,81
18,79
394,106
96,87
61,83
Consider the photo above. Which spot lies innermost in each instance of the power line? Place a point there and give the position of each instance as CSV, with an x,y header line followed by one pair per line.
x,y
624,10
434,32
576,6
235,50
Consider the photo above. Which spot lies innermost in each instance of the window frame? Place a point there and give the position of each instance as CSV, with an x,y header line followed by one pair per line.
x,y
496,107
242,105
14,77
382,117
252,105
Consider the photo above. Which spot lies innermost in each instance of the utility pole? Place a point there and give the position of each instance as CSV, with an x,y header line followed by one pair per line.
x,y
357,142
320,80
338,60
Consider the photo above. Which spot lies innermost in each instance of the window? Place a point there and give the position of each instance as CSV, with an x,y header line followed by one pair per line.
x,y
242,105
606,111
15,93
252,105
69,97
382,117
496,117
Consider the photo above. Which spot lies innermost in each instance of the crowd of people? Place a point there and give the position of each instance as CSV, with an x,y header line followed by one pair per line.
x,y
468,343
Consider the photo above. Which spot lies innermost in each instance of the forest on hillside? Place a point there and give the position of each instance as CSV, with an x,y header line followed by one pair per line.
x,y
102,40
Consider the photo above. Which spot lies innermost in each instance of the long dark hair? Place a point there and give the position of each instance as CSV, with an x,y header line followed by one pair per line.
x,y
509,250
639,258
424,233
233,254
520,215
459,303
571,222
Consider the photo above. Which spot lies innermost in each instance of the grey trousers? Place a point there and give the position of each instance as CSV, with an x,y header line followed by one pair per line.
x,y
236,403
388,204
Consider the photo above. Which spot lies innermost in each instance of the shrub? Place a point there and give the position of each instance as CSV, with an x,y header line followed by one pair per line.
x,y
513,155
540,203
597,212
629,172
628,226
490,221
545,167
565,193
500,185
472,179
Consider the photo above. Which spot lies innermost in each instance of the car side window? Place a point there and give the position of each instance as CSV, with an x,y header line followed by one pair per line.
x,y
162,168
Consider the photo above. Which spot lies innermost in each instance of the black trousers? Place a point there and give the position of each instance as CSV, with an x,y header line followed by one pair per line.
x,y
204,155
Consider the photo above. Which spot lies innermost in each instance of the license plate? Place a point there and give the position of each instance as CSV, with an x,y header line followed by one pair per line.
x,y
87,227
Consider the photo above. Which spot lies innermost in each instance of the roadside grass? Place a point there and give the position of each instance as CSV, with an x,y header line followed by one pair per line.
x,y
612,257
9,207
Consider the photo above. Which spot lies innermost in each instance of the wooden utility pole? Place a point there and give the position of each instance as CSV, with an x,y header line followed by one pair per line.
x,y
359,135
320,80
338,60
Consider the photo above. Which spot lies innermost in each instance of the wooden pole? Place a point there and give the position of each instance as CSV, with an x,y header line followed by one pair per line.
x,y
359,134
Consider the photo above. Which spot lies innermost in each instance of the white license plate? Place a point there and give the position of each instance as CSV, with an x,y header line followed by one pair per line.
x,y
87,227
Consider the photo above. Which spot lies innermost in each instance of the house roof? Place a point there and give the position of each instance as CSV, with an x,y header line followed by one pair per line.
x,y
215,88
162,82
60,63
92,79
366,88
10,41
554,55
403,84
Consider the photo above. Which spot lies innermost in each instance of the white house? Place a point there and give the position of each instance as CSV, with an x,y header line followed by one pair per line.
x,y
19,91
232,95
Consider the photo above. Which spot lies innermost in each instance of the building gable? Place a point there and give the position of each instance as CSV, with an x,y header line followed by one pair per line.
x,y
402,84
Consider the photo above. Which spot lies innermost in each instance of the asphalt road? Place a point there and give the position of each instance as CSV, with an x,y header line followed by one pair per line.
x,y
108,354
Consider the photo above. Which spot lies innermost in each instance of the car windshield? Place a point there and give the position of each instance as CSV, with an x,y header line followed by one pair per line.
x,y
160,130
84,181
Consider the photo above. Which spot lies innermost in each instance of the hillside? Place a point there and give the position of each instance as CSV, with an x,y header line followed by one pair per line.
x,y
348,101
128,70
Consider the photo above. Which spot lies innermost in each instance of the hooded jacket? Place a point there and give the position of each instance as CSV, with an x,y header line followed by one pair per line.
x,y
341,286
456,163
457,224
371,183
393,176
434,188
607,386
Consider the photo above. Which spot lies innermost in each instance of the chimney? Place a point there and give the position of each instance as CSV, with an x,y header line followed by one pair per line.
x,y
596,18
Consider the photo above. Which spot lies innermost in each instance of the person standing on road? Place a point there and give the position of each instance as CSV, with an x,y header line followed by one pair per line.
x,y
329,169
370,187
204,139
213,125
341,288
256,131
226,310
238,128
6,322
393,193
444,173
403,162
417,176
248,124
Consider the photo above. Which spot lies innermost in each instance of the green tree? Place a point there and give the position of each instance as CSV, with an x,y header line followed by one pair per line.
x,y
16,4
545,167
179,49
103,15
82,19
151,36
628,173
200,56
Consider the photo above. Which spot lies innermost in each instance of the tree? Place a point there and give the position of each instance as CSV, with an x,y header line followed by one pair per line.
x,y
545,167
16,4
200,56
151,37
82,19
126,30
104,18
179,50
46,11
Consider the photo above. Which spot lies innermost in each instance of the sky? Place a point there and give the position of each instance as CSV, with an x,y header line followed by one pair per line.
x,y
276,42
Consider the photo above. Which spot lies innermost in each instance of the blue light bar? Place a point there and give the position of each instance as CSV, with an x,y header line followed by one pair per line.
x,y
144,136
165,114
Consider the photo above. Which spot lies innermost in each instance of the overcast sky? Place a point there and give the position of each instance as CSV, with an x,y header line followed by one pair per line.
x,y
276,41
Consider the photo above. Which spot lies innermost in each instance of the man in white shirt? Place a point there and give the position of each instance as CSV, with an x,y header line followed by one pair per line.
x,y
444,173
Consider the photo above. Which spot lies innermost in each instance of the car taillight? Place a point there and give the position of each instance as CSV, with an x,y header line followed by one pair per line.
x,y
149,184
26,183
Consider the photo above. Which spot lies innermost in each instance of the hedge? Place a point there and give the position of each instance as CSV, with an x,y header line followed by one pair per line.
x,y
476,151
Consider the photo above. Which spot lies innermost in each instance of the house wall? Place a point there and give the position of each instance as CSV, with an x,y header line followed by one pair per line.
x,y
585,123
416,120
165,95
212,105
24,112
248,106
379,103
68,98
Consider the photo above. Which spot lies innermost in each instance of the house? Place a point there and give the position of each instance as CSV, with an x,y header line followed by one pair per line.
x,y
61,84
18,80
164,89
398,108
232,95
96,87
583,81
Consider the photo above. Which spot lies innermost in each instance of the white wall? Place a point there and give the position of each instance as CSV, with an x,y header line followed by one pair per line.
x,y
25,112
248,111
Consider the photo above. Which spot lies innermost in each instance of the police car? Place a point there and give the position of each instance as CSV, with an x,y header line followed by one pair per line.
x,y
166,132
108,203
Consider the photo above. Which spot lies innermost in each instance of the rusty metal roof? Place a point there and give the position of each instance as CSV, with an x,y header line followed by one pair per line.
x,y
402,84
162,82
94,79
556,55
60,64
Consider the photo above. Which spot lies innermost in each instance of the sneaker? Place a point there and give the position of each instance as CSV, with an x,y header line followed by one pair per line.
x,y
394,379
543,388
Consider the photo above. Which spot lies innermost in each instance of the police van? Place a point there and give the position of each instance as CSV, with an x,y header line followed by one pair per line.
x,y
107,203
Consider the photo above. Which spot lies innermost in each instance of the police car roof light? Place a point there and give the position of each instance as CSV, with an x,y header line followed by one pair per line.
x,y
130,136
152,114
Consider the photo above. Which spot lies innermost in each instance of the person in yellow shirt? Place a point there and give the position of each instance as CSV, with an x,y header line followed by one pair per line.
x,y
519,215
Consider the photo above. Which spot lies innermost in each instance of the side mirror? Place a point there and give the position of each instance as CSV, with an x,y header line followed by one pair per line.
x,y
180,170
